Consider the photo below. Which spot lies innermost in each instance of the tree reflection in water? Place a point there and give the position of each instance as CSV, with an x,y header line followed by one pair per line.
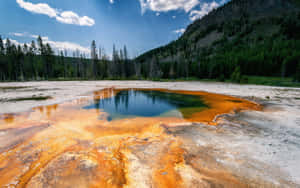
x,y
146,103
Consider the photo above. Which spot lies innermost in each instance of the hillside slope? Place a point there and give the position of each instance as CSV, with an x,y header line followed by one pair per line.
x,y
259,34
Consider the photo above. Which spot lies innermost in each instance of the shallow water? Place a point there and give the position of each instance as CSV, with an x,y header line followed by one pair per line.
x,y
140,103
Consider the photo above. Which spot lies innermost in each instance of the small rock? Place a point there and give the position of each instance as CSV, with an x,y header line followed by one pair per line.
x,y
164,173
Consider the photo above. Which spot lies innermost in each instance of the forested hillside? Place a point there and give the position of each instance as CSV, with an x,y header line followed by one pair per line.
x,y
243,37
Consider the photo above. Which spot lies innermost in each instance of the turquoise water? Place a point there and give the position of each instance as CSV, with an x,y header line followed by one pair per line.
x,y
146,103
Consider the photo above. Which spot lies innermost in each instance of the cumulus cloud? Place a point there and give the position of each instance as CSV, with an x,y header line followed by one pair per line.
x,y
168,5
12,41
195,8
40,8
69,17
205,8
179,31
69,46
66,17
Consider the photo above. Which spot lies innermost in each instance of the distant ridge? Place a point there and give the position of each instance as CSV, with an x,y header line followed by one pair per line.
x,y
202,33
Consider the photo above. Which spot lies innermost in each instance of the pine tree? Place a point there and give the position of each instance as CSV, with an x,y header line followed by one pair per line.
x,y
125,53
20,62
94,57
25,48
298,73
12,54
171,72
2,71
155,71
41,47
93,49
126,62
137,70
31,54
236,75
8,47
32,48
62,60
49,60
115,54
1,46
112,66
121,55
41,52
100,53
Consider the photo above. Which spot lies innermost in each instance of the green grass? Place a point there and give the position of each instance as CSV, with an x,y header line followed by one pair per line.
x,y
12,87
257,80
39,98
184,79
272,81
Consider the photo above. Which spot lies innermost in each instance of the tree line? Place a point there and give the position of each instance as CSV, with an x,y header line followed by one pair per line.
x,y
38,61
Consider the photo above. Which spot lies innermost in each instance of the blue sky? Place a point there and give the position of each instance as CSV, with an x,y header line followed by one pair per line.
x,y
73,24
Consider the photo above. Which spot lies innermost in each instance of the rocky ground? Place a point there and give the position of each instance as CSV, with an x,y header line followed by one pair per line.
x,y
250,148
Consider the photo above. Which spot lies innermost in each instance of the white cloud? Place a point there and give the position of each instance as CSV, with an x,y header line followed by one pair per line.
x,y
40,8
168,5
196,8
179,31
12,41
205,8
69,46
67,17
111,1
34,36
65,45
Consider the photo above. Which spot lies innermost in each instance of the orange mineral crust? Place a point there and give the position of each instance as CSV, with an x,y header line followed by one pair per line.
x,y
218,105
66,145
